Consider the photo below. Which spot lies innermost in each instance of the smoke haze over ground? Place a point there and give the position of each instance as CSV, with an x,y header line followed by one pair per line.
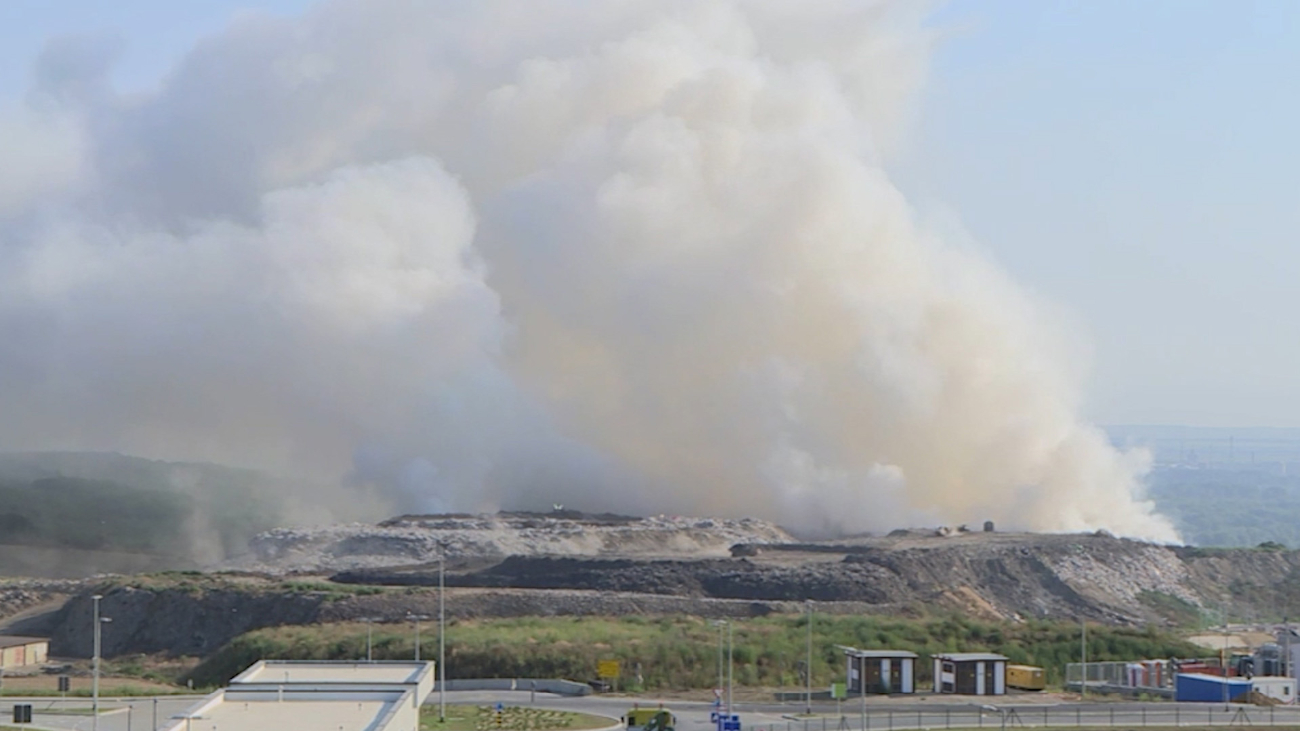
x,y
637,256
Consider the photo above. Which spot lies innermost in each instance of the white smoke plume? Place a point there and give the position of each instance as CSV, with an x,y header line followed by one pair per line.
x,y
636,255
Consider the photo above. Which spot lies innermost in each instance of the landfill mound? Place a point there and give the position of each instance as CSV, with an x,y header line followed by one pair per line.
x,y
1005,576
469,540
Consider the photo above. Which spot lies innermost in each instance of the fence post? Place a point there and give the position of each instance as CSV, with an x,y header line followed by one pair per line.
x,y
981,714
1144,715
155,713
1177,721
823,723
891,720
1078,717
1044,716
918,720
1112,715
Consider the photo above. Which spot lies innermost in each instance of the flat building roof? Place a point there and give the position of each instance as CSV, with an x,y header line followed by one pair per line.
x,y
971,656
294,710
882,654
15,641
298,673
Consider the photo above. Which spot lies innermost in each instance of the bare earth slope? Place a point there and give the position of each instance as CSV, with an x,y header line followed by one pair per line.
x,y
520,564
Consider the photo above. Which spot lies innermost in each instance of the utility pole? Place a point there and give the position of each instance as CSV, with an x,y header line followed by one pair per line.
x,y
94,667
442,637
721,682
808,676
99,622
730,669
1083,659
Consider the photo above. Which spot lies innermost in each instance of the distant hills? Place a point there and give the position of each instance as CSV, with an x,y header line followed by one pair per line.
x,y
1221,486
111,512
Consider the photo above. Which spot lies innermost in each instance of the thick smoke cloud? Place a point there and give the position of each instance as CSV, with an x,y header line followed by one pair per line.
x,y
623,255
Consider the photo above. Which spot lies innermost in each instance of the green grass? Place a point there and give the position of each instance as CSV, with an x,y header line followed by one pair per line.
x,y
513,718
680,653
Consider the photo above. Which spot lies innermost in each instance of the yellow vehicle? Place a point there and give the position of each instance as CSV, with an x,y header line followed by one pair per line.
x,y
1026,677
649,719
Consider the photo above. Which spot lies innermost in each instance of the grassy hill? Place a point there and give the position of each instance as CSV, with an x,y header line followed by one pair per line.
x,y
681,652
179,513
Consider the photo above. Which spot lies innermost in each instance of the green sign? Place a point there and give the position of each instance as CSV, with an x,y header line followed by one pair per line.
x,y
839,691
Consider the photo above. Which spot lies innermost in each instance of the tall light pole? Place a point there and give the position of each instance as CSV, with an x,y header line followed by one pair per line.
x,y
442,638
94,691
721,681
808,699
370,624
416,619
730,669
1083,658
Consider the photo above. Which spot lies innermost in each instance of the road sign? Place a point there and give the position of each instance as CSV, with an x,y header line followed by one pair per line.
x,y
839,691
607,669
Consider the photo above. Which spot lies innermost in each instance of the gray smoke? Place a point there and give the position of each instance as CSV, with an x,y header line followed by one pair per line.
x,y
632,255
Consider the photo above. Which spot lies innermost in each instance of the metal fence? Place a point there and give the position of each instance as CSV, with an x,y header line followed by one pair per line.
x,y
1172,715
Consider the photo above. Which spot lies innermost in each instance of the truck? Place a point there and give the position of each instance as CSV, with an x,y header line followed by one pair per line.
x,y
649,719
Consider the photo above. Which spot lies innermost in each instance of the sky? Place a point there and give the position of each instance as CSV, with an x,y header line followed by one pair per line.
x,y
1133,163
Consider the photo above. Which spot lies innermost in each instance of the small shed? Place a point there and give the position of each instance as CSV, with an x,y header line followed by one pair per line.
x,y
16,652
970,673
1275,687
881,671
1197,687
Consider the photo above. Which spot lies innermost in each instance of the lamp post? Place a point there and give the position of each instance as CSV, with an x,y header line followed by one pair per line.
x,y
808,698
370,624
1083,658
730,669
721,681
94,692
442,637
416,619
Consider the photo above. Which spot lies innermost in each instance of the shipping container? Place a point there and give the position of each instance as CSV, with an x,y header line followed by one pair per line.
x,y
1026,677
1195,687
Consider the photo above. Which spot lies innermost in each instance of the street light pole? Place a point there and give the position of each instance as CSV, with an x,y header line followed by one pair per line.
x,y
1083,658
808,699
442,639
370,625
99,622
721,682
730,669
94,667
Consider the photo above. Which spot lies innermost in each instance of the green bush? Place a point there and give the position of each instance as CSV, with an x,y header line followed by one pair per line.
x,y
678,653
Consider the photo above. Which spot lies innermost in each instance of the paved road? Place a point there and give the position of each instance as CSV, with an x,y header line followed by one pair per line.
x,y
914,714
117,714
136,714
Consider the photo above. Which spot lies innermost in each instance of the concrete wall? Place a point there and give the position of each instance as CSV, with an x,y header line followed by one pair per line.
x,y
541,685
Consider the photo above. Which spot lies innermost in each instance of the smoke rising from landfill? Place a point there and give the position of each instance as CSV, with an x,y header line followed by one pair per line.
x,y
636,256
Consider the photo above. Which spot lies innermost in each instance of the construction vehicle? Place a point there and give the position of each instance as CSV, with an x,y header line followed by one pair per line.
x,y
649,719
1026,677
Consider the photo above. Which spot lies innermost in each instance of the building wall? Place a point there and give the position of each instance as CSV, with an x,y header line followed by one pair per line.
x,y
1282,689
33,653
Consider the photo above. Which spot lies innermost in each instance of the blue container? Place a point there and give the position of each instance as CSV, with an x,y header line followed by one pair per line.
x,y
1197,688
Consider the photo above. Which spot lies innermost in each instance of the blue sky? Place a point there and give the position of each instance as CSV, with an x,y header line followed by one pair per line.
x,y
1135,162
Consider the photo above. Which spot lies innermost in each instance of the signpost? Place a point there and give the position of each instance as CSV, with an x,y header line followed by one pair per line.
x,y
608,670
839,691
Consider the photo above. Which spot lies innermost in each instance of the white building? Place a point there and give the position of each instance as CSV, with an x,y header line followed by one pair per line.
x,y
880,671
970,673
316,696
1282,689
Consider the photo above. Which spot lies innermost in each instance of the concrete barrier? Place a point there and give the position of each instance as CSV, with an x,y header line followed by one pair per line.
x,y
541,685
